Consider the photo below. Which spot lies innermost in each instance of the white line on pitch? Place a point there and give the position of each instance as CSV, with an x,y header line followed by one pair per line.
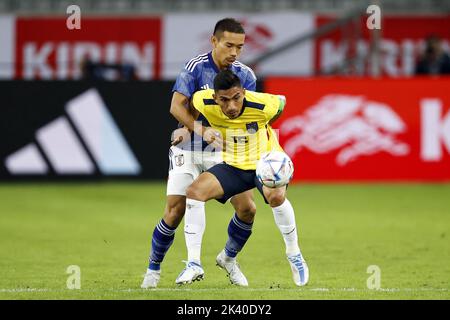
x,y
19,290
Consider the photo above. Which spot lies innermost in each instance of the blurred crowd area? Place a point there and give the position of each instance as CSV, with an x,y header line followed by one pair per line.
x,y
125,40
163,6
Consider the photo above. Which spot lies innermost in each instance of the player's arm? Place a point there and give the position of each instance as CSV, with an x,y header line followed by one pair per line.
x,y
182,110
183,90
210,135
186,113
282,103
179,108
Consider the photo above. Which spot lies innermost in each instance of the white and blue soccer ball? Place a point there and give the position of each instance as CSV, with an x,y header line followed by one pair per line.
x,y
274,169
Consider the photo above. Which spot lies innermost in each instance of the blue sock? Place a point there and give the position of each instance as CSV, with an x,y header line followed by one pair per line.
x,y
238,234
162,239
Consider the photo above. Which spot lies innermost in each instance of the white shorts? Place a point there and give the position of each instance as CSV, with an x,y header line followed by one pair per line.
x,y
185,166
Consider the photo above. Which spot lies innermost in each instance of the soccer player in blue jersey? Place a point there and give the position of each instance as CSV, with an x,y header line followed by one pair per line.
x,y
189,157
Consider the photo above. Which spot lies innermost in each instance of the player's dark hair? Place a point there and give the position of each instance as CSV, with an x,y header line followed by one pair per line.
x,y
229,25
225,80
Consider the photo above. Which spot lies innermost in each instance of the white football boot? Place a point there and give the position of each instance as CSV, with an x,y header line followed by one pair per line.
x,y
151,279
192,272
232,268
300,271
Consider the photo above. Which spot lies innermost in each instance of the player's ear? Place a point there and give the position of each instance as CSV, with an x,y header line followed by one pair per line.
x,y
214,97
214,41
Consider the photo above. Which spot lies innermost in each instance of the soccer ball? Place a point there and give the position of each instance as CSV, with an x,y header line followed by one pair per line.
x,y
274,169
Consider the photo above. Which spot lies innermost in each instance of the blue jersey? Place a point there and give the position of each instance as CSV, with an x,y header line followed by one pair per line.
x,y
199,73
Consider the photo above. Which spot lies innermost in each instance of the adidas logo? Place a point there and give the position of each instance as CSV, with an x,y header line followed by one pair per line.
x,y
205,87
83,141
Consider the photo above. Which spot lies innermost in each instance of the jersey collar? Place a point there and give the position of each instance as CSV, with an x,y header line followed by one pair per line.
x,y
212,63
244,105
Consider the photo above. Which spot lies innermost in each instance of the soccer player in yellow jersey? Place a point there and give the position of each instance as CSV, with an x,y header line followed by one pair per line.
x,y
239,122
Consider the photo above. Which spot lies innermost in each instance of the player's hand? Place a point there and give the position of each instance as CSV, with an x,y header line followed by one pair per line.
x,y
213,137
179,135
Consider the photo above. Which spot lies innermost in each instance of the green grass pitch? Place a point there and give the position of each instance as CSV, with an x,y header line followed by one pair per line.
x,y
105,229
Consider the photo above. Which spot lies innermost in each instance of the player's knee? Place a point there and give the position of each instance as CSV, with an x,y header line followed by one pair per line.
x,y
246,212
193,192
247,217
276,199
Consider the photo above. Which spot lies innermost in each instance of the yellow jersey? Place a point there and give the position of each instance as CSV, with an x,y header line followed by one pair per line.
x,y
247,136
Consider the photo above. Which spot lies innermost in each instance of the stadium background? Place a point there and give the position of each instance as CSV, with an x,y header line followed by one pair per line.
x,y
83,156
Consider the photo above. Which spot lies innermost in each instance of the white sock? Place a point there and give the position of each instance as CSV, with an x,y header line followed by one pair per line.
x,y
194,228
285,219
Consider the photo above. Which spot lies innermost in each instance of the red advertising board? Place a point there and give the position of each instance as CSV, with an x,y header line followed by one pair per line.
x,y
158,46
47,49
366,129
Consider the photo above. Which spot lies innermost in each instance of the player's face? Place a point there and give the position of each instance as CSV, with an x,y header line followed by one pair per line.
x,y
227,48
231,101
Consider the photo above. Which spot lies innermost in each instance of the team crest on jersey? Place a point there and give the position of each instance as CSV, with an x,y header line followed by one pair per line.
x,y
252,127
179,160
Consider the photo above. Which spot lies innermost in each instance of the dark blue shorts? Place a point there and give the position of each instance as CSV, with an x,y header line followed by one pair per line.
x,y
234,180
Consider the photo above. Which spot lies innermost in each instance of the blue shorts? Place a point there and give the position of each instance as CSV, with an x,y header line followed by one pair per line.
x,y
234,180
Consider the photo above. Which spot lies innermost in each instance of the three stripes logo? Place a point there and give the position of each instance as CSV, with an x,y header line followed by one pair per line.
x,y
81,142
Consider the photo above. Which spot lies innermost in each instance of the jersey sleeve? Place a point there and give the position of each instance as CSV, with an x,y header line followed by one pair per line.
x,y
274,106
186,83
197,101
250,81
